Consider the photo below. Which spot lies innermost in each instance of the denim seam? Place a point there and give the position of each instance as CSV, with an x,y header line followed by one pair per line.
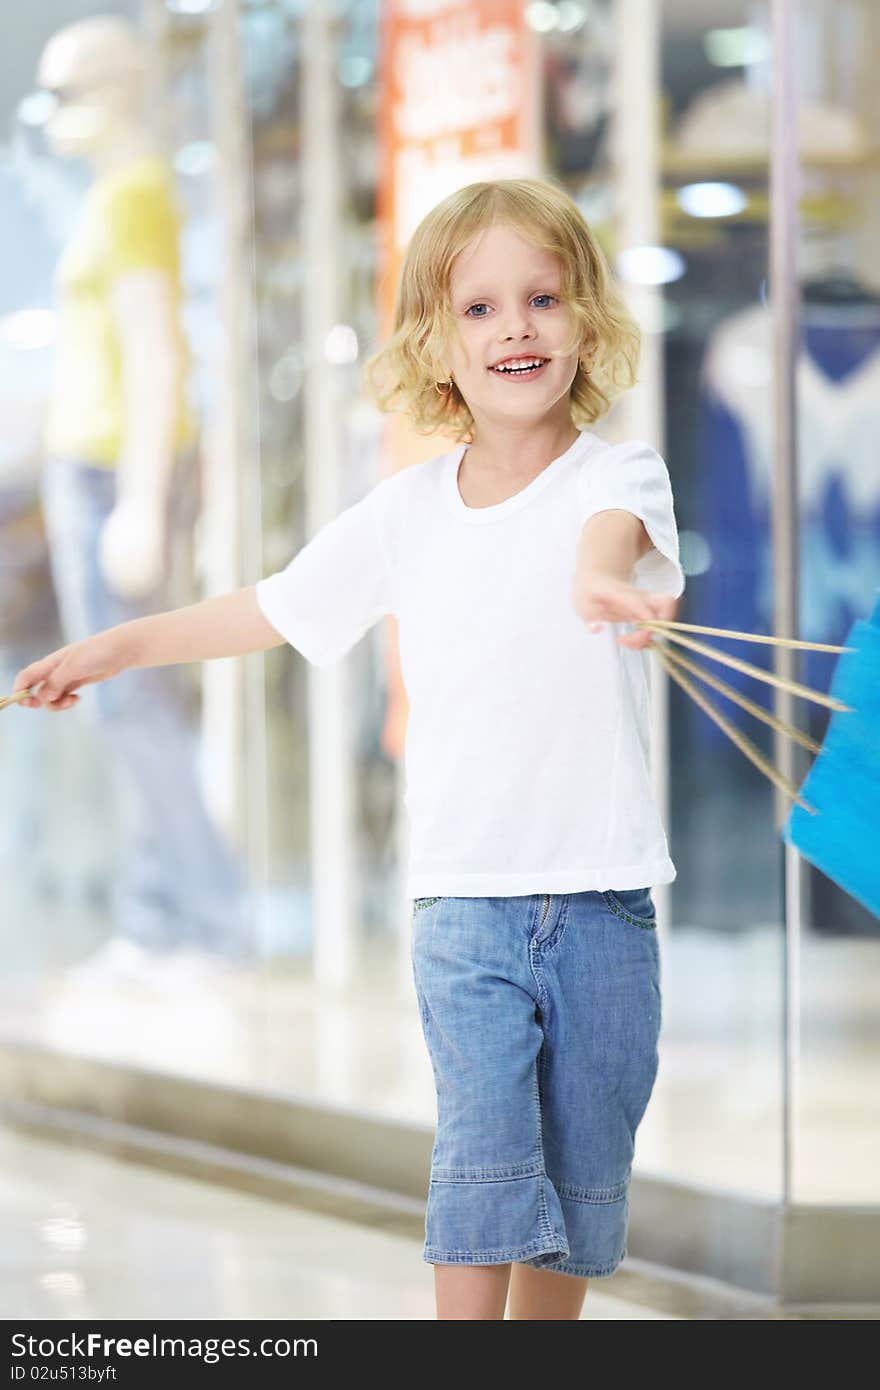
x,y
535,966
504,1172
581,1271
646,924
534,1247
544,1215
547,947
541,1064
538,950
592,1195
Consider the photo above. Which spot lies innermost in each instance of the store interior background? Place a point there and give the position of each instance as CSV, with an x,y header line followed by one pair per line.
x,y
330,1016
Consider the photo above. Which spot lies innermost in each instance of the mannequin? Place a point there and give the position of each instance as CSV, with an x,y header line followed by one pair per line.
x,y
117,488
95,70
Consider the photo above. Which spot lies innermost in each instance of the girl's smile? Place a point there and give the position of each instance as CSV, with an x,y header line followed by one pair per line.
x,y
520,371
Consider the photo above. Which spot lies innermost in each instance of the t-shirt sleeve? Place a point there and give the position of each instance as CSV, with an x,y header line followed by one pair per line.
x,y
142,228
335,588
635,478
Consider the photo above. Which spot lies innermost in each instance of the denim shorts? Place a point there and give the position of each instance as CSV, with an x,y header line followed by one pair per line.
x,y
541,1014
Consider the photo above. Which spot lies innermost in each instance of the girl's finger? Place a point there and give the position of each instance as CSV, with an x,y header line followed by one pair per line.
x,y
632,610
64,703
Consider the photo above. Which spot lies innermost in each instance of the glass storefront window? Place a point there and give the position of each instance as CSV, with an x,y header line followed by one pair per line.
x,y
278,129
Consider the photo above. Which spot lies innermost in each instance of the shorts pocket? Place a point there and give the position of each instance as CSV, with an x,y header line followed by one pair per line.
x,y
634,905
419,904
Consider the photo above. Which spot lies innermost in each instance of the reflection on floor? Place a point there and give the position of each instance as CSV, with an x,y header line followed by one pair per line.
x,y
88,1237
714,1118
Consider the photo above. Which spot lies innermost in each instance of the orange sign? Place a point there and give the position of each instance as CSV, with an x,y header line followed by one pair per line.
x,y
459,94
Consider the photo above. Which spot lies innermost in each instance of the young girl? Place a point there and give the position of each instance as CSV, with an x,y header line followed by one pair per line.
x,y
508,561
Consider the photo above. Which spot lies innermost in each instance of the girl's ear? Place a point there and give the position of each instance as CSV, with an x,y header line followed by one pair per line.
x,y
587,354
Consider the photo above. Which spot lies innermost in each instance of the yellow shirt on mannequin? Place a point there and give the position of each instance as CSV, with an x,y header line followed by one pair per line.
x,y
129,222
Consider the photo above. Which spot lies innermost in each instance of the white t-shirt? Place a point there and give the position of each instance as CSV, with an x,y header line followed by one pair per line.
x,y
527,741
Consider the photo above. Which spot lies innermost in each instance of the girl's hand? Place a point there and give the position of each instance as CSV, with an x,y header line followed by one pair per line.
x,y
62,672
598,597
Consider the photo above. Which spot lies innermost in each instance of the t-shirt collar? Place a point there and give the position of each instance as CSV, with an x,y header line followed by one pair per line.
x,y
481,515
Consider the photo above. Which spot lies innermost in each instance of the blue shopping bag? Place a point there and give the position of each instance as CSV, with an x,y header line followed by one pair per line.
x,y
842,838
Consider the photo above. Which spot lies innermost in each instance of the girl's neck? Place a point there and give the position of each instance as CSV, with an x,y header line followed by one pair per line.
x,y
520,452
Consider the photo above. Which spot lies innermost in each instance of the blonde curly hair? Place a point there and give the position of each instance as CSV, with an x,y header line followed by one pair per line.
x,y
401,376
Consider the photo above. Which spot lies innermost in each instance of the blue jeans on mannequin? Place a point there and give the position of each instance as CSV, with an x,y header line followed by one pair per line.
x,y
181,884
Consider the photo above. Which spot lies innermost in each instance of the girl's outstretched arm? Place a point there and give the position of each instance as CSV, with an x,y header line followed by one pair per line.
x,y
610,544
230,625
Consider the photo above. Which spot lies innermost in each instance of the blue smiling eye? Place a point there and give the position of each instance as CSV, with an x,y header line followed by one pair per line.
x,y
478,304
